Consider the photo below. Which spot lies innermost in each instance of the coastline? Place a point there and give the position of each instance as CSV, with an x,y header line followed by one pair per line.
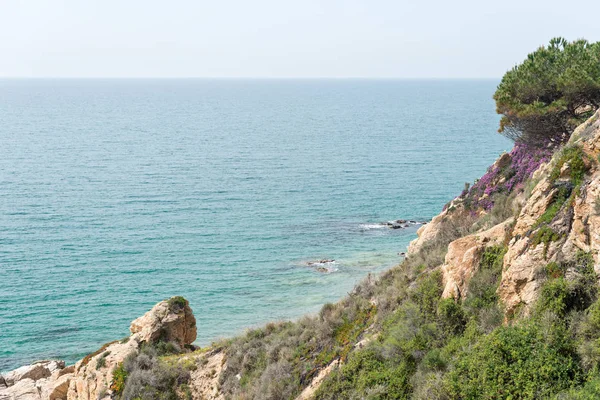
x,y
363,264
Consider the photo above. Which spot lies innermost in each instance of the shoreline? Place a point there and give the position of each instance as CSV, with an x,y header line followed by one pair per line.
x,y
389,261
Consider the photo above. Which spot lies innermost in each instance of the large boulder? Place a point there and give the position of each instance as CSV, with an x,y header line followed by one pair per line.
x,y
169,321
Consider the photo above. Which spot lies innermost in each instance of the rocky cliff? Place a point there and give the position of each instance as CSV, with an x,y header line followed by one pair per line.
x,y
556,221
471,279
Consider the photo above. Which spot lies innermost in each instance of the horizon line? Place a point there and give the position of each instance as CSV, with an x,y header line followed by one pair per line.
x,y
254,77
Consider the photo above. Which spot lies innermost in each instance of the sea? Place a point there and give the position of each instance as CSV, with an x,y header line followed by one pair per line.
x,y
118,193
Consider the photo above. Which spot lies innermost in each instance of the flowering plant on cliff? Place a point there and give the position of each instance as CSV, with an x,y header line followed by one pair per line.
x,y
506,177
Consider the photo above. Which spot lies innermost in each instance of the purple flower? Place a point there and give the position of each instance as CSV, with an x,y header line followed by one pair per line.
x,y
524,161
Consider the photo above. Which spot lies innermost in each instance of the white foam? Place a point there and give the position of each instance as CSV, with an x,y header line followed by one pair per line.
x,y
373,226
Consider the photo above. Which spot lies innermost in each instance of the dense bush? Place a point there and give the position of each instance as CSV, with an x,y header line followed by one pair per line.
x,y
515,362
149,376
555,89
481,302
369,374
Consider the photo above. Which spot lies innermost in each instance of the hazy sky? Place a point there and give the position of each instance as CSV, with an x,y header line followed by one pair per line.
x,y
278,38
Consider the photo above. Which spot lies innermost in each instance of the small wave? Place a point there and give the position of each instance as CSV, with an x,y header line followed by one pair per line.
x,y
368,227
325,266
394,224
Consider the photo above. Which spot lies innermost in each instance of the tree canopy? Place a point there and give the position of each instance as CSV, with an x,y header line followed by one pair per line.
x,y
545,97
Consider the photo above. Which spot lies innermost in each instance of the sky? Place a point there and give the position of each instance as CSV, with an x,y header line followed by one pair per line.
x,y
282,39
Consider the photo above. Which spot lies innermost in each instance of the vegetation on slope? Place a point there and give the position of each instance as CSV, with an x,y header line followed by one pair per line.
x,y
395,337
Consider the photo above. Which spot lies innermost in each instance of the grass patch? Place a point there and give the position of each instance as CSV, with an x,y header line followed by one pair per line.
x,y
177,303
575,158
563,193
101,361
484,283
545,235
118,379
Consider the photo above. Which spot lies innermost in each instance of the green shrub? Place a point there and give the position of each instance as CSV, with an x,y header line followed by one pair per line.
x,y
560,296
101,361
118,379
589,391
484,283
146,376
368,375
177,303
574,157
585,282
428,292
555,297
587,331
451,317
554,270
278,361
493,258
545,235
514,362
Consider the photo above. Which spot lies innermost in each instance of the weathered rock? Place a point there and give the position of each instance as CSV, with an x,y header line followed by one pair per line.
x,y
93,374
35,371
464,255
58,388
24,389
427,232
170,321
91,378
204,382
578,228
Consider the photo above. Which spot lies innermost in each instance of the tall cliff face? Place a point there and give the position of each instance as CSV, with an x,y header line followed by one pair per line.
x,y
556,220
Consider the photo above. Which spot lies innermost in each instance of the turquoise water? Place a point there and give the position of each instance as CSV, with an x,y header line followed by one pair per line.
x,y
115,194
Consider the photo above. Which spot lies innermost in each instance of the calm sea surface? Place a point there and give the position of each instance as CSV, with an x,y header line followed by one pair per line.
x,y
116,194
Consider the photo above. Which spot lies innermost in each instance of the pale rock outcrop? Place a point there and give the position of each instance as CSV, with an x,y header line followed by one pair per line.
x,y
204,382
309,391
25,389
427,232
578,227
169,321
39,381
93,374
35,371
464,255
91,378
